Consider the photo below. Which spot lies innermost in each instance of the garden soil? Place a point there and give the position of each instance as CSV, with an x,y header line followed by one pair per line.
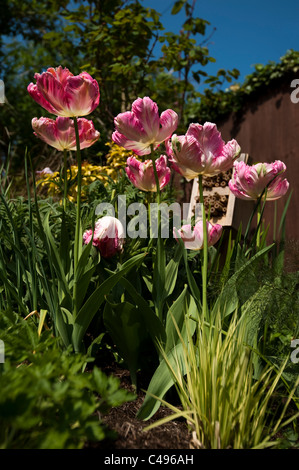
x,y
130,430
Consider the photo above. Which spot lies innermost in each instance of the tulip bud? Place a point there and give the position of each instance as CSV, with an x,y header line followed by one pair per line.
x,y
141,174
108,236
193,239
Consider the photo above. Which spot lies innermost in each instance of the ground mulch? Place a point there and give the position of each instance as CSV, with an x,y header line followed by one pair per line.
x,y
130,430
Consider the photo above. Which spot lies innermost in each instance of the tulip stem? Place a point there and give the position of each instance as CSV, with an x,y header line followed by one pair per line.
x,y
204,269
64,179
158,191
258,221
149,200
159,268
78,237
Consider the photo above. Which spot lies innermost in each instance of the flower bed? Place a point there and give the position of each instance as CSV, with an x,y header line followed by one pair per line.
x,y
112,278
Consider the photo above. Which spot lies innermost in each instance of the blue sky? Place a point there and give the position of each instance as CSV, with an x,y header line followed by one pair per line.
x,y
247,32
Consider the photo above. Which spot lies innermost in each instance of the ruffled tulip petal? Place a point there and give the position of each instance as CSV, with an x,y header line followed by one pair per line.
x,y
139,130
230,152
45,129
169,123
62,93
214,234
53,92
139,148
141,174
183,155
62,74
83,94
88,135
87,236
163,171
39,98
249,182
188,237
128,125
201,151
194,239
277,190
235,189
146,112
60,133
130,133
182,170
209,139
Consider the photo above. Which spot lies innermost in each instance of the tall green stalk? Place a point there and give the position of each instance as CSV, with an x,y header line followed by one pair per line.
x,y
78,234
204,268
258,221
159,267
158,199
149,200
64,179
275,222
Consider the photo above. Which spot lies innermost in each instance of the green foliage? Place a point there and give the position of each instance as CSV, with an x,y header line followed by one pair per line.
x,y
124,323
36,267
140,317
224,405
250,282
213,105
150,298
47,401
184,314
122,44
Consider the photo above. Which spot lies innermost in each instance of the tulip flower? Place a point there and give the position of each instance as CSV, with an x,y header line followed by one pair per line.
x,y
201,151
140,129
141,174
44,172
60,133
194,239
248,182
64,94
108,236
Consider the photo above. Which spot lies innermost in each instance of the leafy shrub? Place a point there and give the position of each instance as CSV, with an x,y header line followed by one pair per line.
x,y
47,400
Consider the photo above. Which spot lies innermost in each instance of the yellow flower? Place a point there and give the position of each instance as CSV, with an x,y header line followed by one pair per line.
x,y
116,159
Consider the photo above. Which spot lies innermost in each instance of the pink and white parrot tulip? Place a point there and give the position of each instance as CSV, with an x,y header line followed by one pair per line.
x,y
141,128
61,93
